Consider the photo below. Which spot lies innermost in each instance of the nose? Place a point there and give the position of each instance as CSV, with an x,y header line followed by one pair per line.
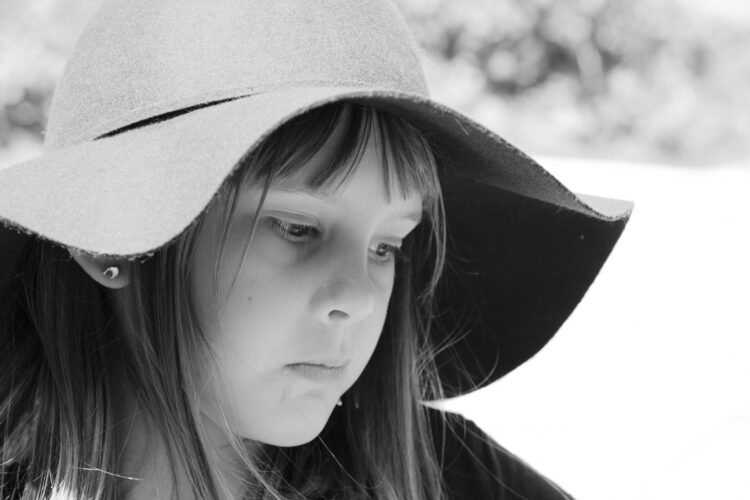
x,y
347,297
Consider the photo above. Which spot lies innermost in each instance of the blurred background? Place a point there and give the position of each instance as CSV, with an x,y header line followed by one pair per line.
x,y
644,392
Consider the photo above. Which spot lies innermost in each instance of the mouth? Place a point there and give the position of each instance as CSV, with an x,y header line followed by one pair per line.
x,y
324,363
320,370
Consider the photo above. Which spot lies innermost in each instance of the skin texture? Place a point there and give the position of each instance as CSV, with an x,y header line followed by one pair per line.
x,y
319,299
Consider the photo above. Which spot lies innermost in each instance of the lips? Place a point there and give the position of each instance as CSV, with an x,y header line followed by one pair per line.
x,y
324,363
329,370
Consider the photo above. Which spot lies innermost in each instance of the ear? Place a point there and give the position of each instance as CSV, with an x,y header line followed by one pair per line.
x,y
110,273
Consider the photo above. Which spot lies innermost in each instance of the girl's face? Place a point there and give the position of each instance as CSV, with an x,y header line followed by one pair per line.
x,y
308,305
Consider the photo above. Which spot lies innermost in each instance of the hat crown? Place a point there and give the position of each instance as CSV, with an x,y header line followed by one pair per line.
x,y
142,58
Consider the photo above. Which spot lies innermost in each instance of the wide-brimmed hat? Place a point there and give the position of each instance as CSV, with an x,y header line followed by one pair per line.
x,y
162,100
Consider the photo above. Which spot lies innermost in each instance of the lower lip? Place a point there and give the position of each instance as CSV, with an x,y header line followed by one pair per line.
x,y
317,373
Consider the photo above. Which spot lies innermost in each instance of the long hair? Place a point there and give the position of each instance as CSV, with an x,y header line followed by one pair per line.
x,y
63,358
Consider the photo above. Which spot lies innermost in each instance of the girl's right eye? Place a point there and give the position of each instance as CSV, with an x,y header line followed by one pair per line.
x,y
292,231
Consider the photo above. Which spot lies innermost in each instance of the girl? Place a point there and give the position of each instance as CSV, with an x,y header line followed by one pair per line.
x,y
253,248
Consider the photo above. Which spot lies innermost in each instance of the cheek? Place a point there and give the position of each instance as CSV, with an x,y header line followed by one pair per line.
x,y
365,337
254,323
265,319
248,343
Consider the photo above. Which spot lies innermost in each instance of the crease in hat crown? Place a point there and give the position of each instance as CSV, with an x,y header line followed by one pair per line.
x,y
138,59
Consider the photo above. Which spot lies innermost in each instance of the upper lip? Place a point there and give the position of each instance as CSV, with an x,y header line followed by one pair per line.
x,y
328,362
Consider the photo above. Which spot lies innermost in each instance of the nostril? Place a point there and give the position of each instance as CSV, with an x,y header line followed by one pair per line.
x,y
337,314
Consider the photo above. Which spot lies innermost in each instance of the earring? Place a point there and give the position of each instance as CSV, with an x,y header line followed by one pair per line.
x,y
339,403
111,272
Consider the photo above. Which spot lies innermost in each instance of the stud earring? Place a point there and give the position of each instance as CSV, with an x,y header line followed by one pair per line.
x,y
111,272
339,403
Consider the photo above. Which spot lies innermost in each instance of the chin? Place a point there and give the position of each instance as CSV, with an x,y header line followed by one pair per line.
x,y
292,427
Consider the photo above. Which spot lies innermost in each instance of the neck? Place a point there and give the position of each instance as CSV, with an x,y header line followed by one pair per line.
x,y
147,472
144,466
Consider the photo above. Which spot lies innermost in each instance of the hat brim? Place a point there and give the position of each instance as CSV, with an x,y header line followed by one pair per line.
x,y
524,248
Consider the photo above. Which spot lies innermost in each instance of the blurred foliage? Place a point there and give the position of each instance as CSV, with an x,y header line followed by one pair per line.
x,y
36,38
626,79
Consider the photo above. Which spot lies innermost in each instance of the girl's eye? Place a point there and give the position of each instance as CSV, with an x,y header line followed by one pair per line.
x,y
385,253
300,234
294,232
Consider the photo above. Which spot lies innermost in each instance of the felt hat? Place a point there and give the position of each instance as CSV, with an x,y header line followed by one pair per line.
x,y
160,102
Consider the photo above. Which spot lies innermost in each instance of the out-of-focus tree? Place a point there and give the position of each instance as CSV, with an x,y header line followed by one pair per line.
x,y
635,79
630,79
36,37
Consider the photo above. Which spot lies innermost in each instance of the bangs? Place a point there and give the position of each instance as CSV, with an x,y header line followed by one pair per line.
x,y
405,156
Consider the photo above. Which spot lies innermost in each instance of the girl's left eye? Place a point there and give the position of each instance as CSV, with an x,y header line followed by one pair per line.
x,y
385,253
300,234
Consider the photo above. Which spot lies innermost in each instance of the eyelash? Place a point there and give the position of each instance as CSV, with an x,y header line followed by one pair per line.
x,y
286,229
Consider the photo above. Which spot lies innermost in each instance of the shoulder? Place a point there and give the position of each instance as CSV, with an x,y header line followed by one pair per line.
x,y
475,466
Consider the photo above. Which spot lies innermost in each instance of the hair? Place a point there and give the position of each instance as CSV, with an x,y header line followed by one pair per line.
x,y
64,359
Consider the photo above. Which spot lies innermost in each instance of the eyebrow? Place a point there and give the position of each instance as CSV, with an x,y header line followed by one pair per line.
x,y
323,196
